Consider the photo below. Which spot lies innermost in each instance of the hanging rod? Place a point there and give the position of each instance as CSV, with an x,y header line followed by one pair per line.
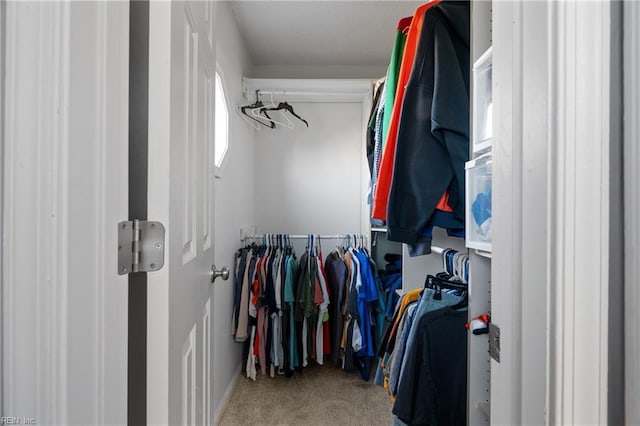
x,y
302,236
437,250
296,93
309,90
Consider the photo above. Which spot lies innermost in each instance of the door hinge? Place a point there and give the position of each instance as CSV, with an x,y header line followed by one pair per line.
x,y
494,341
140,246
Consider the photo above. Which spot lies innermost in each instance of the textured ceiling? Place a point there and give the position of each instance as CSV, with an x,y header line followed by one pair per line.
x,y
320,32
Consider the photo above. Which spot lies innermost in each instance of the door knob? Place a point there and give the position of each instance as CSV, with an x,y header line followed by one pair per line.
x,y
222,273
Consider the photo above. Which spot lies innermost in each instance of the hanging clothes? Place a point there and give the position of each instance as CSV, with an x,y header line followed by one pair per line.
x,y
433,135
381,196
423,354
434,390
336,277
393,73
378,91
293,312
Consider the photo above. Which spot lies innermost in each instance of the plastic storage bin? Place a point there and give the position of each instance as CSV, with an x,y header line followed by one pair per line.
x,y
478,210
482,104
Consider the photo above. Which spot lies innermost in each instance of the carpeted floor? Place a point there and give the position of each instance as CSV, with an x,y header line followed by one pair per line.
x,y
321,395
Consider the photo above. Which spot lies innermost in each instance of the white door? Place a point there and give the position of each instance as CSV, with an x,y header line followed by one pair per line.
x,y
181,99
65,188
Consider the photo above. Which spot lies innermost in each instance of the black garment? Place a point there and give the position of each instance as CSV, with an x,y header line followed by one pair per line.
x,y
433,386
270,293
302,270
239,264
376,308
350,362
336,272
285,363
298,310
270,304
433,133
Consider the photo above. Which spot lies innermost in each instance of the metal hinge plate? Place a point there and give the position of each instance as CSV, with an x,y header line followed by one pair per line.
x,y
140,246
494,341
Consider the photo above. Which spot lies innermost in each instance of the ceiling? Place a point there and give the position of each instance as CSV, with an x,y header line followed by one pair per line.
x,y
320,32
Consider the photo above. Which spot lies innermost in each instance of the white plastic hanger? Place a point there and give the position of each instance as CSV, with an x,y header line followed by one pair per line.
x,y
256,113
246,119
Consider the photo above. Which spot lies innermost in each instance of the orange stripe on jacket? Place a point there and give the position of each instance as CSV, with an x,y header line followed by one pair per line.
x,y
383,185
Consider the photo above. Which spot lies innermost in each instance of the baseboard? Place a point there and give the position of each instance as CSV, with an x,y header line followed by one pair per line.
x,y
227,395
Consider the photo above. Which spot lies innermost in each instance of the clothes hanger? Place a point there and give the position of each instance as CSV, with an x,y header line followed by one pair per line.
x,y
450,265
272,107
313,244
285,106
438,284
249,120
431,281
247,111
268,252
444,258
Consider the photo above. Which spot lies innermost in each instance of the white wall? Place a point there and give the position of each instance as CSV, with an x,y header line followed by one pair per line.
x,y
234,200
415,269
309,179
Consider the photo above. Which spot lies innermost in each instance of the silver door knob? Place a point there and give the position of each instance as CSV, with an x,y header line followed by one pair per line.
x,y
222,273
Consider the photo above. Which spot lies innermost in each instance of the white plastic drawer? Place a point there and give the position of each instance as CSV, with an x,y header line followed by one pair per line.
x,y
478,203
482,104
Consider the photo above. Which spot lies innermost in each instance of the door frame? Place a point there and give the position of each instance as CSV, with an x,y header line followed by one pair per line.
x,y
557,148
632,208
138,165
3,25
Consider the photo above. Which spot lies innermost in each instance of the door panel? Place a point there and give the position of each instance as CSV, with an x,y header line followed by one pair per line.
x,y
181,182
64,314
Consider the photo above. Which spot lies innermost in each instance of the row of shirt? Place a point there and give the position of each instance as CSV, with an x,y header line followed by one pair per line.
x,y
296,311
423,357
418,133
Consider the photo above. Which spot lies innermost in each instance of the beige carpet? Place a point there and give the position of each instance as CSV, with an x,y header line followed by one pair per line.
x,y
321,395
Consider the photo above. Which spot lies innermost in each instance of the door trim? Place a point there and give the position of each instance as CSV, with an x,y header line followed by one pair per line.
x,y
138,165
556,192
632,208
157,403
3,25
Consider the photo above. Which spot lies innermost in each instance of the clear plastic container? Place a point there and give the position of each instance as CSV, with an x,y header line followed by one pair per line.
x,y
478,203
482,104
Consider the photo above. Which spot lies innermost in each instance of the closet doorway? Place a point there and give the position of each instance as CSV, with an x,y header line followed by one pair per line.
x,y
315,181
